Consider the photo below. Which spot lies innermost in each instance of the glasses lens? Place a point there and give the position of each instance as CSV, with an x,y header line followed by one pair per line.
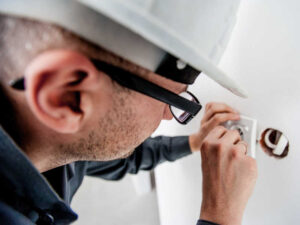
x,y
181,115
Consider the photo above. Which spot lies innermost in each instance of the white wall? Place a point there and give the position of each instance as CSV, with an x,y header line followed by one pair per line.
x,y
263,55
114,202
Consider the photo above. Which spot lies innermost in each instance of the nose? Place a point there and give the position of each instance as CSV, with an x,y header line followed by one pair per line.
x,y
167,113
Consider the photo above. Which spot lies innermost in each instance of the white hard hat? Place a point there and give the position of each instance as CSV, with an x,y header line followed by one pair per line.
x,y
192,33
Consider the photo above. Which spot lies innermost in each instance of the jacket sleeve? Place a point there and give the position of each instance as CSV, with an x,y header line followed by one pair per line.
x,y
205,222
147,156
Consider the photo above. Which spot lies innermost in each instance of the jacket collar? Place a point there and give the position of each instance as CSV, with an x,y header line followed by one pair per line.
x,y
20,176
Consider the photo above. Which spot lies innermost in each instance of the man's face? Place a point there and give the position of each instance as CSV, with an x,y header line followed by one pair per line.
x,y
130,118
91,116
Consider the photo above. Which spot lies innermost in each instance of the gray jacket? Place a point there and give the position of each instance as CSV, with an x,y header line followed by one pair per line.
x,y
28,197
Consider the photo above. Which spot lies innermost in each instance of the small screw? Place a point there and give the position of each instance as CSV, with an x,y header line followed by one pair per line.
x,y
180,64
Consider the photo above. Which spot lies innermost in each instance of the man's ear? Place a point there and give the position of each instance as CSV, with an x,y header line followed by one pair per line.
x,y
59,88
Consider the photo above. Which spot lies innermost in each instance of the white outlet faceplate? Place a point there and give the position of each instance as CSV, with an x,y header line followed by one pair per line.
x,y
247,128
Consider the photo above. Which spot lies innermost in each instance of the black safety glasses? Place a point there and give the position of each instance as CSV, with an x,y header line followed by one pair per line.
x,y
183,106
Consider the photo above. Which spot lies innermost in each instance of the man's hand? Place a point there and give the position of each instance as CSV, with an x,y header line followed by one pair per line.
x,y
229,176
214,115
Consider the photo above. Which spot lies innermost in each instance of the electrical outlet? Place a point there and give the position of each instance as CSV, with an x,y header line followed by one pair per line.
x,y
247,128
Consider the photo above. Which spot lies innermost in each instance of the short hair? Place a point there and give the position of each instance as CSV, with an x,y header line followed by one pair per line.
x,y
21,39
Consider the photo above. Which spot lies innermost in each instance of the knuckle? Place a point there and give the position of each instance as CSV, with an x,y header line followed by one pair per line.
x,y
235,148
208,106
244,143
205,128
213,107
235,154
205,144
212,146
208,112
218,118
235,133
220,128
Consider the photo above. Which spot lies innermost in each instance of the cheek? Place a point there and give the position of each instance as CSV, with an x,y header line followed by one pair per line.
x,y
150,122
150,110
100,109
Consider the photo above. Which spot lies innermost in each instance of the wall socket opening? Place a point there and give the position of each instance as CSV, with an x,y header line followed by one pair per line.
x,y
274,143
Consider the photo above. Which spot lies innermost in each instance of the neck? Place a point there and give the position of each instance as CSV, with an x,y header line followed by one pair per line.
x,y
41,147
45,156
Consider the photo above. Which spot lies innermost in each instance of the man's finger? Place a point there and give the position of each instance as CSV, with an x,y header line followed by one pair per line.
x,y
221,118
242,146
232,137
214,108
218,132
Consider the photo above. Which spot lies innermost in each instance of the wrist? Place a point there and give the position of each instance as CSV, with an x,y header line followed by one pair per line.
x,y
223,216
194,143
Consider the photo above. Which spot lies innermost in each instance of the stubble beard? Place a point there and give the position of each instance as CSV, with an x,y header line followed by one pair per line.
x,y
119,132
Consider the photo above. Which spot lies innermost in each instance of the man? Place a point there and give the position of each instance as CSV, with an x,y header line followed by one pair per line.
x,y
74,119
